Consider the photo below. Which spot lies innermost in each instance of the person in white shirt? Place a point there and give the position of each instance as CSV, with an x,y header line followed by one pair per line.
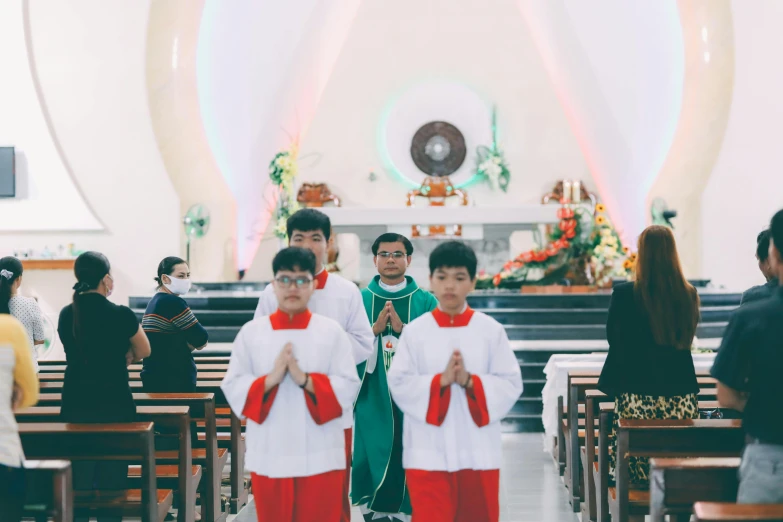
x,y
334,297
454,377
18,389
292,375
25,309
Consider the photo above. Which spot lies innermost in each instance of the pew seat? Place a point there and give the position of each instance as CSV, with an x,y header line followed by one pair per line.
x,y
638,500
167,475
725,512
676,484
126,503
49,490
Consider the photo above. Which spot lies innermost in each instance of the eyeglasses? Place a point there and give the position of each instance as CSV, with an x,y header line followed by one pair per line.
x,y
395,255
288,282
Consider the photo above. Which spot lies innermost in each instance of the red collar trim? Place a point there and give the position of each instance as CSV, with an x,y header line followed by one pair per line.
x,y
320,279
445,320
282,321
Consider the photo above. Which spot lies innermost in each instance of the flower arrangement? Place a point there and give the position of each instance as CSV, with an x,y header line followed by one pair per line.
x,y
282,171
490,162
556,252
492,165
609,257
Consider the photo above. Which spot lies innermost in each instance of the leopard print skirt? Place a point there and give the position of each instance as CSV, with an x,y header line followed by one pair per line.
x,y
632,406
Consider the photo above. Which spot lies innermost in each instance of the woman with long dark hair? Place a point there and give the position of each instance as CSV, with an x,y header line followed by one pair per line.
x,y
650,328
174,332
24,309
100,340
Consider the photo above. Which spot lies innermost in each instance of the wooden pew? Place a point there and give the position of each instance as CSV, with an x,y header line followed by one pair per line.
x,y
199,357
601,469
49,490
132,442
232,439
666,438
133,376
595,402
723,512
211,458
677,484
136,367
577,386
184,475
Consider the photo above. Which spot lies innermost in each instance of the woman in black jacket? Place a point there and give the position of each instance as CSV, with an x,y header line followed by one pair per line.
x,y
650,328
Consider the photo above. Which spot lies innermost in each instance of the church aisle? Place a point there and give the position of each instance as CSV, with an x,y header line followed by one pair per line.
x,y
530,489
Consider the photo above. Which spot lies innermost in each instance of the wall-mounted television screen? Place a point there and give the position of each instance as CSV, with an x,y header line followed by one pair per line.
x,y
7,173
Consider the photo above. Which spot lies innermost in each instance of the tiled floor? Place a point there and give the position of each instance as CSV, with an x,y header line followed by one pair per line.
x,y
530,488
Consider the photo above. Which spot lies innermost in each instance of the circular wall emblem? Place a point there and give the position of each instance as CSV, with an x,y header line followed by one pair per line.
x,y
438,148
449,120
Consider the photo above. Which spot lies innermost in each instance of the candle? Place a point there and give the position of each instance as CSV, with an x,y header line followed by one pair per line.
x,y
577,192
567,187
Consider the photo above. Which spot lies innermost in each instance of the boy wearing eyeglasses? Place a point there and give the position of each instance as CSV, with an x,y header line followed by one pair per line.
x,y
334,297
454,377
292,375
391,301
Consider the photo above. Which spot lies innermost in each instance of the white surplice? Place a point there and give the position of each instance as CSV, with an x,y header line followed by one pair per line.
x,y
289,443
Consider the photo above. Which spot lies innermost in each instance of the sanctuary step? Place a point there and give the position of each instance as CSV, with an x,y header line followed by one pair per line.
x,y
538,325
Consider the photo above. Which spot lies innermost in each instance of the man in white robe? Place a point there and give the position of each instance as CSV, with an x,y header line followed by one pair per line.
x,y
454,377
292,375
334,297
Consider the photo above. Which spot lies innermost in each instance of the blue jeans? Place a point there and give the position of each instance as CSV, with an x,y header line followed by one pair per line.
x,y
761,475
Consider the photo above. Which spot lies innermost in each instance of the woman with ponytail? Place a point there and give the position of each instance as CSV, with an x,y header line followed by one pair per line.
x,y
100,339
174,332
24,309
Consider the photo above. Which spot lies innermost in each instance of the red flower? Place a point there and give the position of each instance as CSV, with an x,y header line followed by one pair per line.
x,y
540,257
552,250
565,201
563,225
527,257
565,213
570,234
482,272
507,265
496,280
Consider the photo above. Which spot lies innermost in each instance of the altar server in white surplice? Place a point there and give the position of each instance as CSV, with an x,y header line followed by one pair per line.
x,y
334,297
454,377
292,376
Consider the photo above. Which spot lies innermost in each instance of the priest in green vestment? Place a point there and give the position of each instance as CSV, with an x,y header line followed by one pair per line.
x,y
392,300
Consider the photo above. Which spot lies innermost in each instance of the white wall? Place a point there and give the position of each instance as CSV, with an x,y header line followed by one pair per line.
x,y
395,45
262,67
746,186
47,197
90,59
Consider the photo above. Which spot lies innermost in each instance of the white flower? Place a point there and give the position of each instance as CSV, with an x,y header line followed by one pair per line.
x,y
280,228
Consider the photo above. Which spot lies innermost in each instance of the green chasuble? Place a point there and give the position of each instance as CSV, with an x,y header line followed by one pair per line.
x,y
377,477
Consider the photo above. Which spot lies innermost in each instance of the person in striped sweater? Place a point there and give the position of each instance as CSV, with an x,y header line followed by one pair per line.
x,y
173,331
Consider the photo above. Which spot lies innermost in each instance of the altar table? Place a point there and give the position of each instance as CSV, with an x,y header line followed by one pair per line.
x,y
490,222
